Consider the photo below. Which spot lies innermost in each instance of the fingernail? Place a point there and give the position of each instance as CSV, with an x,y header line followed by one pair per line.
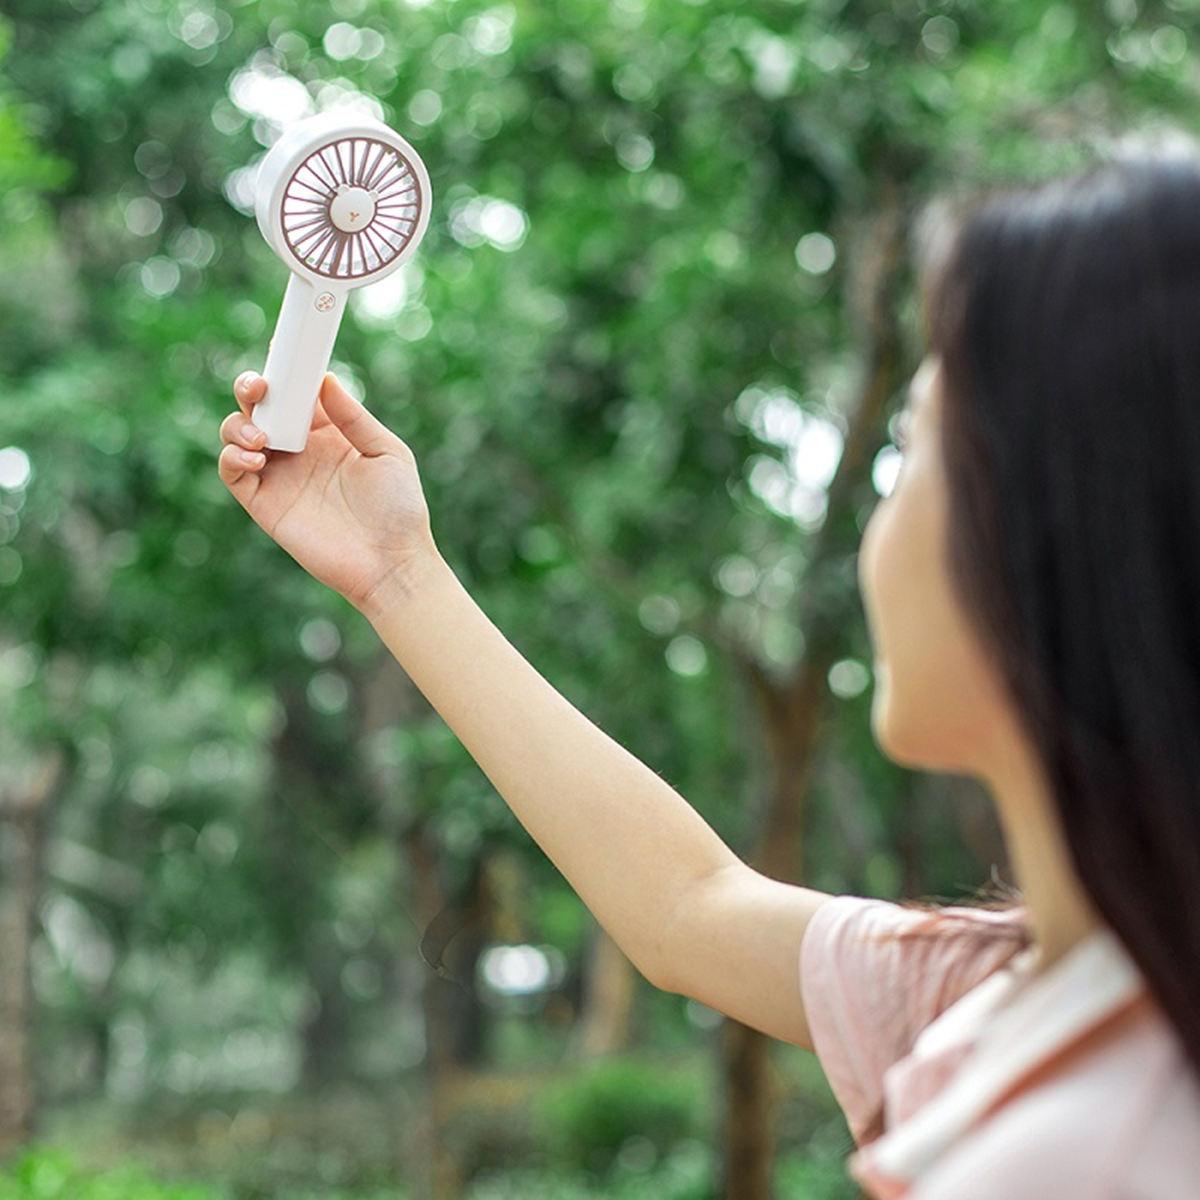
x,y
252,458
252,433
243,382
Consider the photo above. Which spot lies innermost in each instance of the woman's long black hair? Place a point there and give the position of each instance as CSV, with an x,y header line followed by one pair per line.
x,y
1067,319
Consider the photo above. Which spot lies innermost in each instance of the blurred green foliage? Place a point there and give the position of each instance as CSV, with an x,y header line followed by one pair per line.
x,y
622,1110
681,1175
48,1175
623,357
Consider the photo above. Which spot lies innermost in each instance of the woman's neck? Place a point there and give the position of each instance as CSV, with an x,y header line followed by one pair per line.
x,y
1061,914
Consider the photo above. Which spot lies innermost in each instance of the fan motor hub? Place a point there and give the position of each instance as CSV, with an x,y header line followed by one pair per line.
x,y
352,209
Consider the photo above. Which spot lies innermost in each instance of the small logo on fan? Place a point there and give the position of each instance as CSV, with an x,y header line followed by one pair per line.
x,y
325,301
354,218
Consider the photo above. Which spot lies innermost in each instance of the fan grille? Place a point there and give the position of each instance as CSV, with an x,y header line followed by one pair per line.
x,y
359,162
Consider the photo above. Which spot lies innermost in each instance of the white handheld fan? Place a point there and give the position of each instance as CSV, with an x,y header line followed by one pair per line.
x,y
343,200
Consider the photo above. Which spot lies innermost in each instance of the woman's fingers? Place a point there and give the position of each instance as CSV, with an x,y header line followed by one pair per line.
x,y
238,431
248,389
235,461
242,441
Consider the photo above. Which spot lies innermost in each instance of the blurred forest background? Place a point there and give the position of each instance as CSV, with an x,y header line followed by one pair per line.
x,y
647,357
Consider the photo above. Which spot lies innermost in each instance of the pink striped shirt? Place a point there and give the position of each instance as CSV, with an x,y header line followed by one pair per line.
x,y
992,1082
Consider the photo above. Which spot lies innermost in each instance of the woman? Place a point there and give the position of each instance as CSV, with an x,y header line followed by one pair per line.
x,y
1032,586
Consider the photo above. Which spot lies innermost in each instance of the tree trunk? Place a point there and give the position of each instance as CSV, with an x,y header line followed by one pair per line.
x,y
791,719
750,1098
325,1032
449,1008
790,710
609,985
23,806
303,779
443,1179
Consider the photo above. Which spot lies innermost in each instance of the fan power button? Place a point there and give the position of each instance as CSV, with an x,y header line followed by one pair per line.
x,y
325,302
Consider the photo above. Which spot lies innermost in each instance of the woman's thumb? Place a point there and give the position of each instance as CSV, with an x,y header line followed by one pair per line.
x,y
364,432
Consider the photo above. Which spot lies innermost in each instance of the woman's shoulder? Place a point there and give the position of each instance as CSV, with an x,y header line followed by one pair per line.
x,y
867,919
1119,1119
875,974
1163,1134
932,955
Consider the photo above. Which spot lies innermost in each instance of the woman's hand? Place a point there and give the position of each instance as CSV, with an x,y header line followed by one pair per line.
x,y
349,508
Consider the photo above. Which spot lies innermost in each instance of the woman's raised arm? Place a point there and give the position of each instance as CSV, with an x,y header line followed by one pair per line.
x,y
691,916
687,912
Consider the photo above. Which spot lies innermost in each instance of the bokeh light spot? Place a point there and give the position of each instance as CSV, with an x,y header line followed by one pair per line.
x,y
848,678
815,253
15,469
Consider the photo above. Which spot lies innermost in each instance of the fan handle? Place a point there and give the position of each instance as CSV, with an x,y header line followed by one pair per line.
x,y
297,360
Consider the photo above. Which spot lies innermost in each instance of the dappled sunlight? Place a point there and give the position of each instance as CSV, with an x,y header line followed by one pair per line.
x,y
794,485
885,470
16,470
485,219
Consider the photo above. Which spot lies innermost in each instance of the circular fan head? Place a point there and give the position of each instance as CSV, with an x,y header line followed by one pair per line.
x,y
351,207
344,199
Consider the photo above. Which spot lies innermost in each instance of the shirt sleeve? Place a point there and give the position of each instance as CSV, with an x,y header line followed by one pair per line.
x,y
873,975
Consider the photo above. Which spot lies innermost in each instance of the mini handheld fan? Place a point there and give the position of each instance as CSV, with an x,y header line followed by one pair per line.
x,y
343,200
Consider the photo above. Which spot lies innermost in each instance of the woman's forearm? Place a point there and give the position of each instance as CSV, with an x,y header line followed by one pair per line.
x,y
625,840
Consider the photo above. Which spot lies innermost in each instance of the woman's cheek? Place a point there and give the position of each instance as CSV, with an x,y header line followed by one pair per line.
x,y
870,546
890,592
